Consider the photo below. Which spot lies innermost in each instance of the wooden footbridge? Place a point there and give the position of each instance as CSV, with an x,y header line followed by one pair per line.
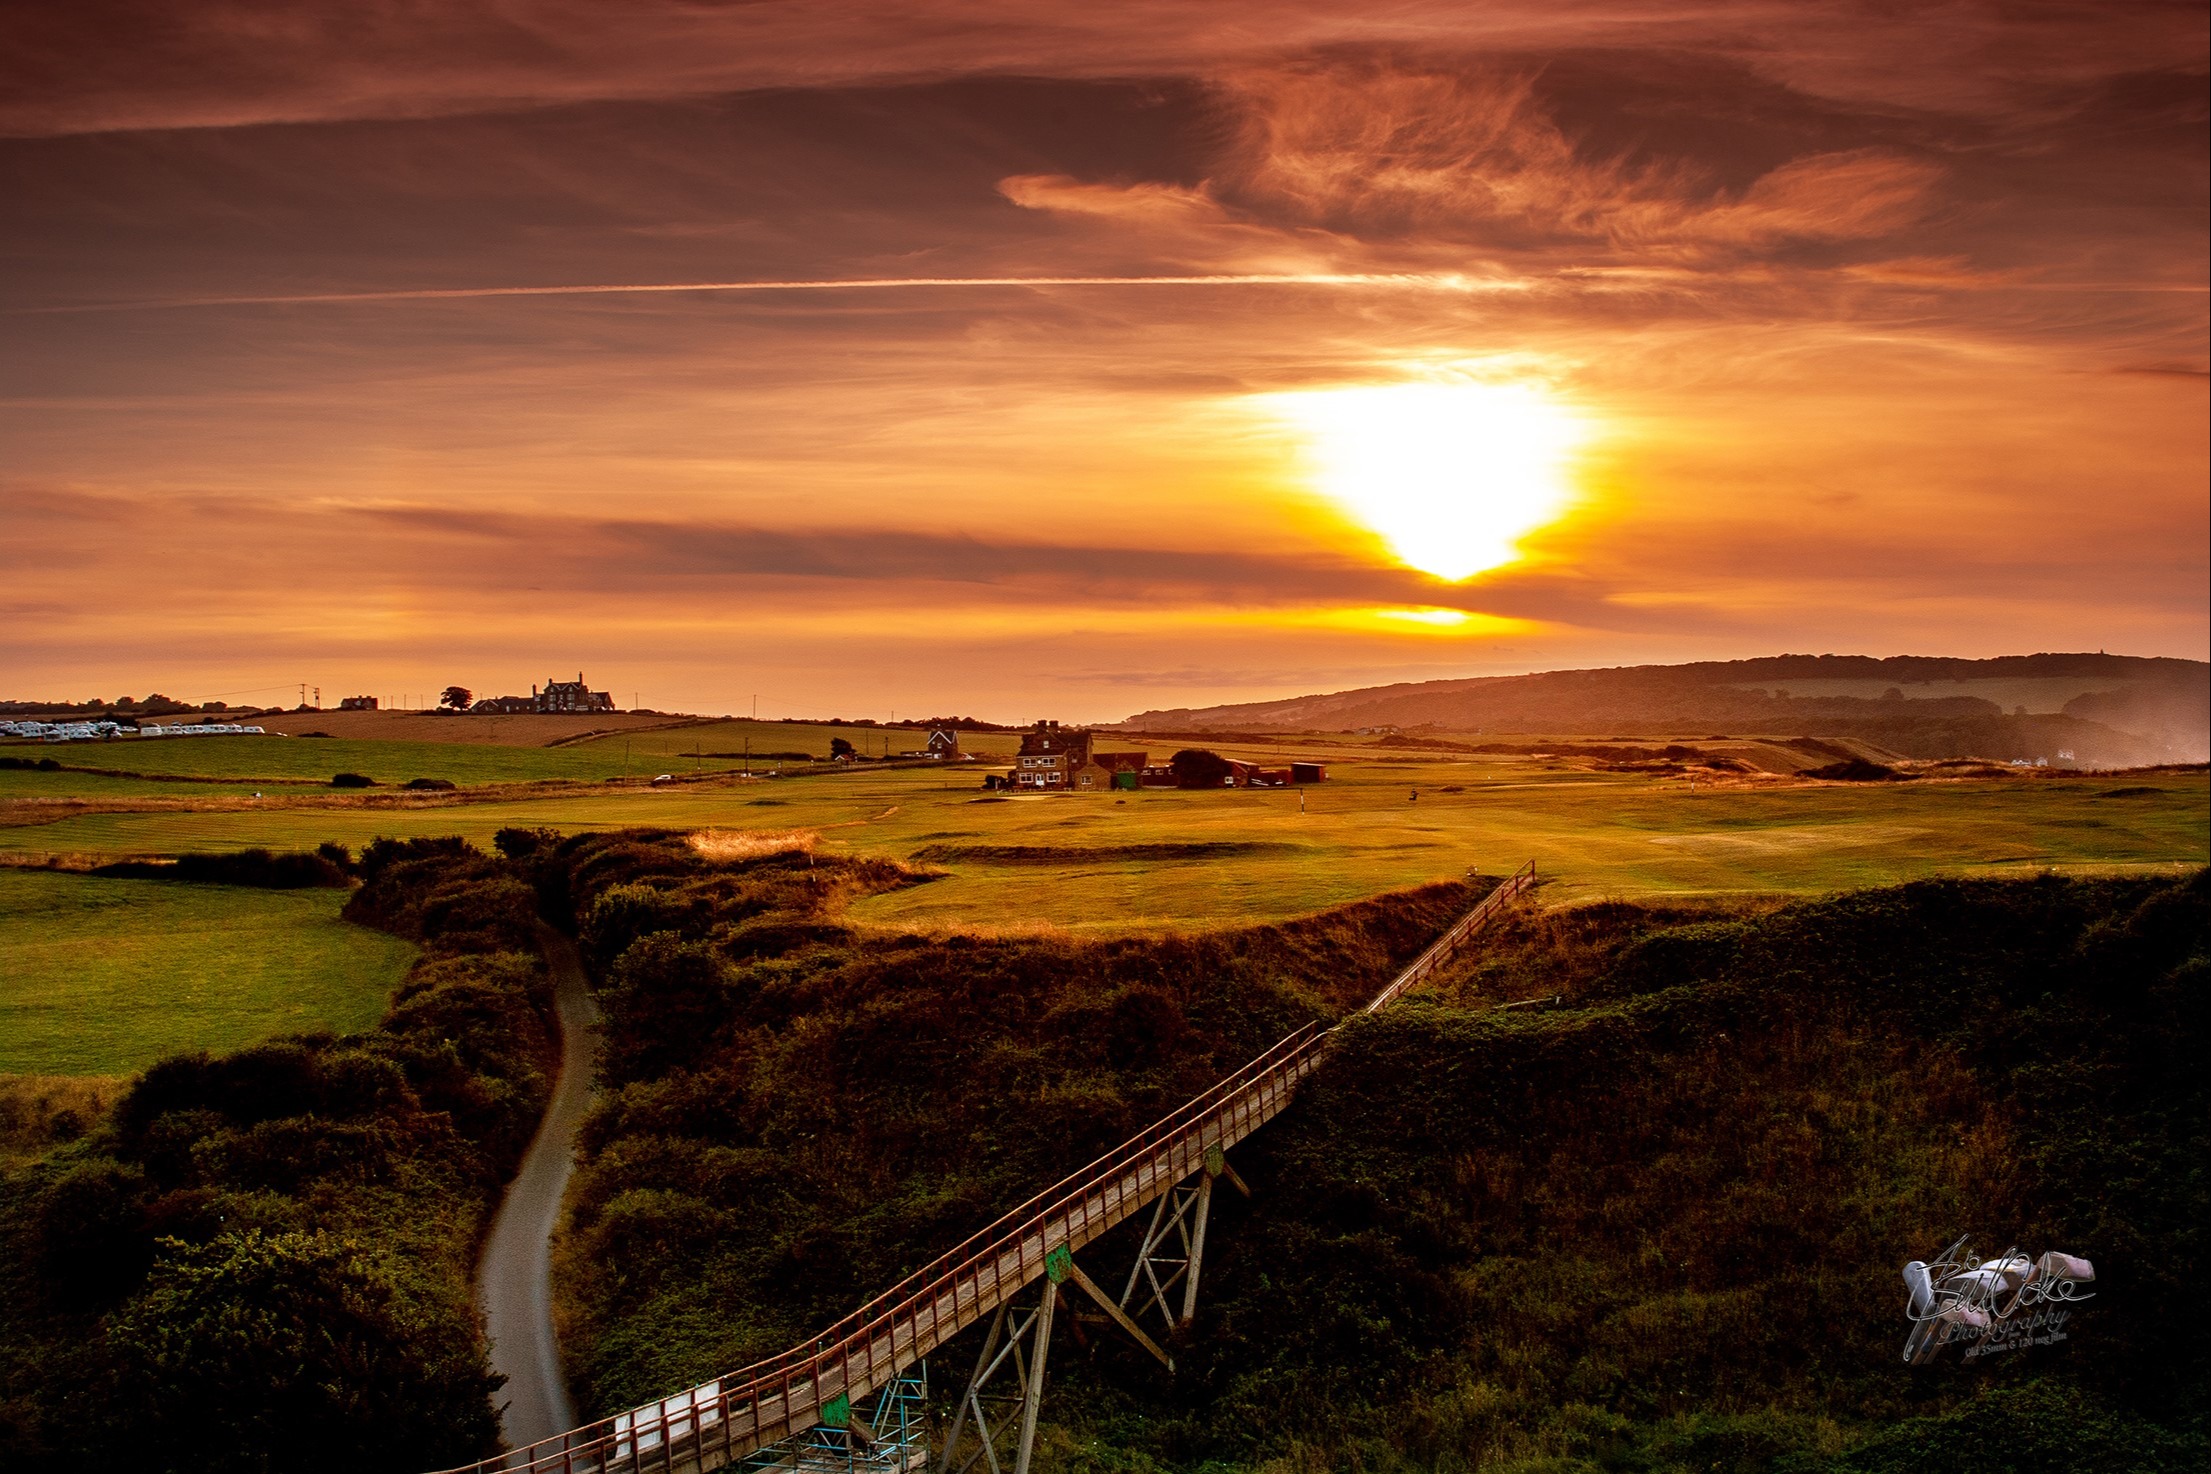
x,y
848,1399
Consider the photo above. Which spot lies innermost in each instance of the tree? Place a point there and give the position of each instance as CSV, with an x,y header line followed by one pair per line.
x,y
1195,767
839,749
456,697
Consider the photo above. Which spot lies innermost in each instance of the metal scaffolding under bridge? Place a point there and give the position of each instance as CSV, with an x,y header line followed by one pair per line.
x,y
851,1398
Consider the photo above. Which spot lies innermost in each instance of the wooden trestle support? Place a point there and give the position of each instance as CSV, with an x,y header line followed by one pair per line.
x,y
997,1425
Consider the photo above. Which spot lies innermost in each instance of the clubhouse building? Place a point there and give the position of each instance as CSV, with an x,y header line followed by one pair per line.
x,y
1056,759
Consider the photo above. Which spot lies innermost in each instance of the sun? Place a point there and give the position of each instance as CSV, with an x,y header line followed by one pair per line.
x,y
1452,475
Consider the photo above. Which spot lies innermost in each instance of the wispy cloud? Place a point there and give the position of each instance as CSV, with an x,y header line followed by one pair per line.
x,y
1370,280
382,325
104,65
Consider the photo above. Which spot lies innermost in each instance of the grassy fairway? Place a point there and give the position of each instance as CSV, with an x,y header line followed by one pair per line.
x,y
1593,833
103,977
682,746
716,747
17,784
315,759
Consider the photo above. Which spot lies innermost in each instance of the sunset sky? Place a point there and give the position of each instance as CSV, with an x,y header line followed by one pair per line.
x,y
1069,359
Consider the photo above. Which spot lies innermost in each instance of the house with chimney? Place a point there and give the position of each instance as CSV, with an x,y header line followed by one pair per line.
x,y
572,696
1056,759
554,696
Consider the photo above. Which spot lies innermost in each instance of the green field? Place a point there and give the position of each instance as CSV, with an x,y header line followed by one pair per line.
x,y
732,738
710,747
103,977
1592,833
316,759
17,784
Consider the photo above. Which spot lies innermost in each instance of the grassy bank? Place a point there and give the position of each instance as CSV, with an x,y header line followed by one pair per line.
x,y
102,976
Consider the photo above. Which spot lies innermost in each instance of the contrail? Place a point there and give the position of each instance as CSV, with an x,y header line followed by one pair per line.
x,y
1407,281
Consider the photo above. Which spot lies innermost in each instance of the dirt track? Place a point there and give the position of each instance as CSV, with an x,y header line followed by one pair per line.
x,y
514,1282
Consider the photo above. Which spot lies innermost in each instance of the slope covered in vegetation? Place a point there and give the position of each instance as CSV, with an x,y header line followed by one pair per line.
x,y
2117,710
1659,1225
1656,1223
800,1114
260,1261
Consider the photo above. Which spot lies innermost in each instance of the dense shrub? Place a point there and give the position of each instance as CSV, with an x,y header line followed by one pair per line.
x,y
287,871
261,1260
292,1350
1654,1227
90,1233
1854,770
798,1114
351,780
1660,1226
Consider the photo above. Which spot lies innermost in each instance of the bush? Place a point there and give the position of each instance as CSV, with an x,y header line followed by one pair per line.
x,y
352,780
521,844
1855,770
251,1350
310,1209
622,914
91,1235
429,785
256,867
666,1001
1669,1215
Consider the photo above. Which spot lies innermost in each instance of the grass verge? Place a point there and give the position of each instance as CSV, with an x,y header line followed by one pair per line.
x,y
103,976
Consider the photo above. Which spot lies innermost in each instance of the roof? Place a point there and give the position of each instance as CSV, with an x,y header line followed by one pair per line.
x,y
1035,744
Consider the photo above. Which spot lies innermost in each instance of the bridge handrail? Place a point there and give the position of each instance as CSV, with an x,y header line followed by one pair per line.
x,y
1443,947
915,1300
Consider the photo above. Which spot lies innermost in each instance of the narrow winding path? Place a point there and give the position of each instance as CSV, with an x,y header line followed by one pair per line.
x,y
514,1282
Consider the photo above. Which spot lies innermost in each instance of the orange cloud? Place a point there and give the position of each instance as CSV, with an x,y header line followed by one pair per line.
x,y
1877,313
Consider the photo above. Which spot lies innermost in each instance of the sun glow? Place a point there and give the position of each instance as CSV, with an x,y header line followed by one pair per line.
x,y
1451,475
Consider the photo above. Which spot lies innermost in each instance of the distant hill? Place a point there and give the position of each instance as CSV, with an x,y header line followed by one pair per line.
x,y
2106,710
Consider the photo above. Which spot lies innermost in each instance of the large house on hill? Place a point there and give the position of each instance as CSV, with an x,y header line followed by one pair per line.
x,y
1065,760
573,696
556,696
